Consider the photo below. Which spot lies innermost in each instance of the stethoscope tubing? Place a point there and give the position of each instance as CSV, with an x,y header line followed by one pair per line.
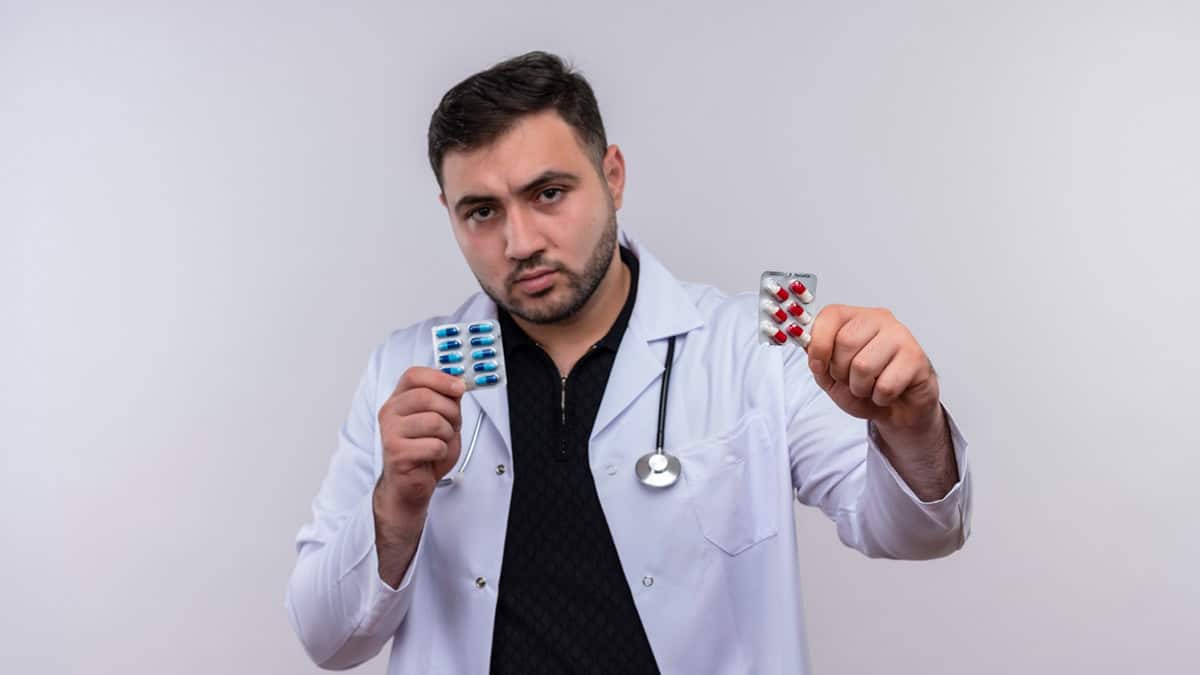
x,y
668,462
457,476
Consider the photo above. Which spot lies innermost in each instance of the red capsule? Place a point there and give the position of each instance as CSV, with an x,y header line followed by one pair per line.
x,y
773,310
801,291
775,289
798,333
777,336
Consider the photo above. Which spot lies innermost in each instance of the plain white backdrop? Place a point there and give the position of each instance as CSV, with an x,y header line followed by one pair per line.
x,y
211,212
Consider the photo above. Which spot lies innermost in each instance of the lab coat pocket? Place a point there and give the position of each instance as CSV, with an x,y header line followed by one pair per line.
x,y
732,485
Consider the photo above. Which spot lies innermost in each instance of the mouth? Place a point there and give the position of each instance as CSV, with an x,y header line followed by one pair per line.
x,y
537,280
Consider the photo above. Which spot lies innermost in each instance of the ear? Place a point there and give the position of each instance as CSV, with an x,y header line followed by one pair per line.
x,y
442,199
613,167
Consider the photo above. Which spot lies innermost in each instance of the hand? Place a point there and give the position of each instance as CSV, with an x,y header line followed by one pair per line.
x,y
420,427
873,368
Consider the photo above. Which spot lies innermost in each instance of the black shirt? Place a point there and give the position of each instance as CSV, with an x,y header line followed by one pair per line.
x,y
564,605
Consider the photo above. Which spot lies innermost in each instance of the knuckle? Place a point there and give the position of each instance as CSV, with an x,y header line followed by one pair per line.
x,y
860,367
424,423
407,379
424,398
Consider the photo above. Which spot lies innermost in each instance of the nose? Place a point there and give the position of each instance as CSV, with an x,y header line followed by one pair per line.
x,y
523,238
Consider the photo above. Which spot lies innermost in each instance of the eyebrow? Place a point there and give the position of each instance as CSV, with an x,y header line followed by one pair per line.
x,y
546,177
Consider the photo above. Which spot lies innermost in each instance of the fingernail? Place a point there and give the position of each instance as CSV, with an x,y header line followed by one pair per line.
x,y
458,387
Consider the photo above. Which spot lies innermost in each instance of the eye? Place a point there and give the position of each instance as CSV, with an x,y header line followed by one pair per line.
x,y
480,214
551,194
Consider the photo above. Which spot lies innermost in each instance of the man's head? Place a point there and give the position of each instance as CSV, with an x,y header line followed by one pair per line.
x,y
530,184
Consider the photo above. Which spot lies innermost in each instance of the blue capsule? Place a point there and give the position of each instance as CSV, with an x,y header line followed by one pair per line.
x,y
483,354
449,344
481,327
485,366
453,370
447,331
452,357
487,379
482,341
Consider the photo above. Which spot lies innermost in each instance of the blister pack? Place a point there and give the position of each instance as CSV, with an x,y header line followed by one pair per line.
x,y
785,301
471,351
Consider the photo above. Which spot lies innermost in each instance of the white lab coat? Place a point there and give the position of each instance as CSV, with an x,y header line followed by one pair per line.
x,y
711,562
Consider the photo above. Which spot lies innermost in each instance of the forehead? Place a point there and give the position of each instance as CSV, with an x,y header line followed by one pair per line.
x,y
535,144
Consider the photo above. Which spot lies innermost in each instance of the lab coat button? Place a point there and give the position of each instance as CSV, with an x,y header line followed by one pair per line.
x,y
647,581
499,469
611,469
480,582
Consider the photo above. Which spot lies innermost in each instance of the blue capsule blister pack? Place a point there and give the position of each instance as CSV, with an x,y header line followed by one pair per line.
x,y
471,351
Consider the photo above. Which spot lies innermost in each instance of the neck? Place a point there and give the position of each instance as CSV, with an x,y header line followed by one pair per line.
x,y
568,340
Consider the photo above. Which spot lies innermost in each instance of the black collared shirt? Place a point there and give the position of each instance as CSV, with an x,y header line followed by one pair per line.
x,y
564,605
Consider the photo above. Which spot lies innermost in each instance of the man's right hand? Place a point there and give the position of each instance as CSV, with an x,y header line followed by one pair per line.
x,y
420,427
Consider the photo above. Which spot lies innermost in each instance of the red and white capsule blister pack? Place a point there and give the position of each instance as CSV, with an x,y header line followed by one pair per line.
x,y
786,308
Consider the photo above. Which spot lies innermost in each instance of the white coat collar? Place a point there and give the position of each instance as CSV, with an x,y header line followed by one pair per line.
x,y
662,309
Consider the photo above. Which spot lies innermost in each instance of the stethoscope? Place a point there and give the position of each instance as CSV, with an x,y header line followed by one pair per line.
x,y
656,469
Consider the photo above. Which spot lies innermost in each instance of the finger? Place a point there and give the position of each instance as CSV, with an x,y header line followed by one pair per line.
x,y
824,328
418,452
426,400
425,425
821,374
453,450
870,362
849,341
431,378
896,378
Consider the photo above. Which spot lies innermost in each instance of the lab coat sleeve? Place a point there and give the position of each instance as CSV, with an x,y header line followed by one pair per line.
x,y
340,608
837,466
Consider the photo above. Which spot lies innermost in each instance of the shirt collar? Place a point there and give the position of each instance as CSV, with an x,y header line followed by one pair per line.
x,y
515,337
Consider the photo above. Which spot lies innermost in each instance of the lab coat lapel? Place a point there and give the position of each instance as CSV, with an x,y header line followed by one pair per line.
x,y
662,309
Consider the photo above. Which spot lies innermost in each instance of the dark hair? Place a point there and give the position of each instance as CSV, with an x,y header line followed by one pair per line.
x,y
482,107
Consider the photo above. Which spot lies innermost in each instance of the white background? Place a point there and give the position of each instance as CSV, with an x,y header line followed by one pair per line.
x,y
209,215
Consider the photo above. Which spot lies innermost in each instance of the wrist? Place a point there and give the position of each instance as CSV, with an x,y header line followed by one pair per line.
x,y
930,432
397,523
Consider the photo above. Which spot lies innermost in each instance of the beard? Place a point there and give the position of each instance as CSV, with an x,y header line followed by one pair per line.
x,y
579,286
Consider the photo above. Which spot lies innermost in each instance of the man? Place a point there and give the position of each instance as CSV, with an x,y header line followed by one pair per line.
x,y
548,555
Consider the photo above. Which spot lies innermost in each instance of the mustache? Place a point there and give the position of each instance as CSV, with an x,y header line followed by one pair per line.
x,y
530,264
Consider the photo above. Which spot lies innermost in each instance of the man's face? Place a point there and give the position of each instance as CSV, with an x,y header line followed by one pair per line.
x,y
534,218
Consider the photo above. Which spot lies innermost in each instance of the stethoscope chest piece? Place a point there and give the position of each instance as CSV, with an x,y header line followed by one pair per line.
x,y
658,469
